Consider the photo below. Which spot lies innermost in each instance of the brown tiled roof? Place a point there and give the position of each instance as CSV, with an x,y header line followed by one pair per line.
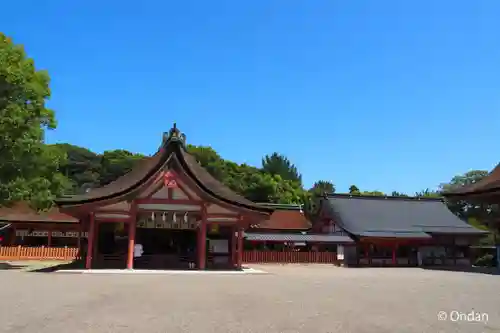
x,y
488,185
22,212
213,186
285,220
171,151
124,184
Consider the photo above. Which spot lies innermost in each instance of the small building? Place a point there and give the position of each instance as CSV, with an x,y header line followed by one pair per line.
x,y
484,192
400,231
288,236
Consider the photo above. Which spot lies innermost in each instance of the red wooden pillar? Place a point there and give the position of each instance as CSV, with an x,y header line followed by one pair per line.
x,y
132,225
95,250
202,239
240,248
49,236
234,239
90,243
79,239
13,235
394,248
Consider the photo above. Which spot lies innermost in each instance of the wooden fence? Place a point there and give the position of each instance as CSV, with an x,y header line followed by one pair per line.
x,y
37,253
70,253
263,257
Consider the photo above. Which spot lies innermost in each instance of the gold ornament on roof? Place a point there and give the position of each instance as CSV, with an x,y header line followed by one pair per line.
x,y
174,135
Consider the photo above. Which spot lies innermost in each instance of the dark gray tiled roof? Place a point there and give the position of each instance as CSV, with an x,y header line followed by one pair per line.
x,y
398,234
400,217
298,238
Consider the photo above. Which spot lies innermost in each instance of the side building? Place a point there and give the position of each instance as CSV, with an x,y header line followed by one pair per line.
x,y
397,231
289,237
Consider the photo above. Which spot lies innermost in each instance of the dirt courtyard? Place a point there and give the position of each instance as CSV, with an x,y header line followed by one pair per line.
x,y
305,299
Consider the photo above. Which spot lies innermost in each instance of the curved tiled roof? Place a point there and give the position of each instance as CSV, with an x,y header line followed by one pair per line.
x,y
22,212
172,151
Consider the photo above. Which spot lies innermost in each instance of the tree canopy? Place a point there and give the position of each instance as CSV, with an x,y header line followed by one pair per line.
x,y
322,186
29,167
277,164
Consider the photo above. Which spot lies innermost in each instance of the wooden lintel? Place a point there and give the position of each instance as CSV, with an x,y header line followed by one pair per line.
x,y
216,215
112,219
121,212
169,201
47,226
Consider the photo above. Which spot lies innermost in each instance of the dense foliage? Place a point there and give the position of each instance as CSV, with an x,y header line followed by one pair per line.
x,y
28,168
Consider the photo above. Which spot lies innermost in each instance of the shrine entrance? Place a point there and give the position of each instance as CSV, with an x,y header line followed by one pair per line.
x,y
167,240
111,246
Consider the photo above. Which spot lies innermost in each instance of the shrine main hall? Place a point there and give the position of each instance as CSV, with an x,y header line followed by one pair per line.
x,y
168,204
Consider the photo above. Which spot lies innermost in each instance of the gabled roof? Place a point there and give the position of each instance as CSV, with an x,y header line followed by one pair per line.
x,y
398,217
285,217
489,185
171,153
22,212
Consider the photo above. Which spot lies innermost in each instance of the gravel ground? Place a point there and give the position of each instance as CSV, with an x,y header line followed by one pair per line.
x,y
290,299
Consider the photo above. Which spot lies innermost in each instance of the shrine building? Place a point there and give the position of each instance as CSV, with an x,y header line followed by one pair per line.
x,y
168,204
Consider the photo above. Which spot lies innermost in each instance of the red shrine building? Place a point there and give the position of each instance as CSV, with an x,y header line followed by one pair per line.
x,y
168,204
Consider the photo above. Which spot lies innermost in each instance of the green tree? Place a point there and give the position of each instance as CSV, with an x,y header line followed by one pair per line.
x,y
116,163
277,164
322,186
211,161
354,190
467,178
463,208
29,169
428,193
398,194
82,167
259,185
373,193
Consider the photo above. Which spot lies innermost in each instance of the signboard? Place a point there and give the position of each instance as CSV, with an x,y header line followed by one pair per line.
x,y
340,252
42,233
218,245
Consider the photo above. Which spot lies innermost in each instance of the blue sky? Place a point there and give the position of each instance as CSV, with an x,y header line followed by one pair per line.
x,y
387,95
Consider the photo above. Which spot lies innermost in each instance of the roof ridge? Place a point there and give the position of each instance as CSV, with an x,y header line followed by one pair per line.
x,y
282,206
380,197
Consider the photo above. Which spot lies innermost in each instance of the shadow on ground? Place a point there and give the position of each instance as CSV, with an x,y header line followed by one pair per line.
x,y
9,266
76,264
478,270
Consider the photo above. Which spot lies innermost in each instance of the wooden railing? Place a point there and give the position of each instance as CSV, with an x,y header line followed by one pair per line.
x,y
37,253
262,257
